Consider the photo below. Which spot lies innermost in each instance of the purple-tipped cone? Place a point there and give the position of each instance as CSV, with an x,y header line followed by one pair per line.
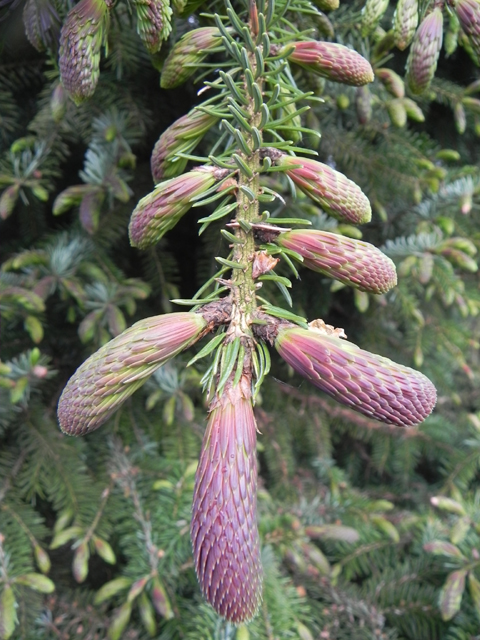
x,y
225,540
368,383
110,376
353,262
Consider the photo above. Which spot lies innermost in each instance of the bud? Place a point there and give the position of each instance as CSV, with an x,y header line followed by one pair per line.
x,y
363,104
90,206
226,546
110,376
372,13
189,51
392,82
338,196
8,200
405,21
80,41
80,562
160,210
413,110
352,262
327,5
397,112
58,103
332,61
180,137
468,13
42,24
460,117
160,600
153,22
424,52
70,197
368,383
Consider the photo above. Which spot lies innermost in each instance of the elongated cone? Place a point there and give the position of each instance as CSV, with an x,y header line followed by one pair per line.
x,y
424,52
332,61
110,376
372,13
392,82
42,23
226,547
468,13
405,23
191,49
153,22
180,137
160,210
368,383
338,196
353,262
80,42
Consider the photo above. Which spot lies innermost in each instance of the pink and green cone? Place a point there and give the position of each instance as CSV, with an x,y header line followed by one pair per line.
x,y
80,41
110,376
180,137
226,546
367,383
405,22
353,262
332,61
153,22
337,195
188,52
424,52
372,13
468,13
160,210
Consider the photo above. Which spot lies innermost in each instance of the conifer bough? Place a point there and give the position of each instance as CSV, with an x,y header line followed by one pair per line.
x,y
225,539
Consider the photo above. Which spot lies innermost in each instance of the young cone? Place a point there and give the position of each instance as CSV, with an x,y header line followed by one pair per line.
x,y
372,13
332,61
226,546
188,52
338,196
352,262
160,210
110,376
180,137
80,42
468,13
368,383
153,22
405,23
424,52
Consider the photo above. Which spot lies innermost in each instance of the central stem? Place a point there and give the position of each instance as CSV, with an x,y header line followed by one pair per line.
x,y
243,283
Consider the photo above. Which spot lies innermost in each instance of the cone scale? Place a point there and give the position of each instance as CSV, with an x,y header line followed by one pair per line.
x,y
226,546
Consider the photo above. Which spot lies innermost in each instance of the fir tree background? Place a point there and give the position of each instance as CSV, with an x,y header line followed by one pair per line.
x,y
368,531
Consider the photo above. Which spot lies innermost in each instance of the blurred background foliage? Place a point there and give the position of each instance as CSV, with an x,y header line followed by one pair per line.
x,y
368,531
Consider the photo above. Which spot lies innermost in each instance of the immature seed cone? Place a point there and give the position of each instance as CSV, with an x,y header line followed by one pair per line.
x,y
424,52
468,13
397,113
191,49
405,23
160,210
363,104
42,23
180,137
338,196
368,383
372,13
332,61
110,376
153,22
353,262
392,82
226,546
80,42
